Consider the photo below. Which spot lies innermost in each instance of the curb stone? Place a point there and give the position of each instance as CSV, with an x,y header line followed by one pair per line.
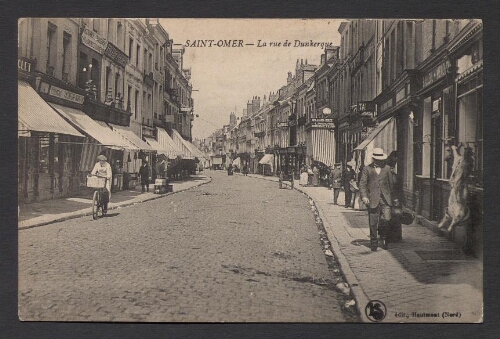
x,y
84,212
356,289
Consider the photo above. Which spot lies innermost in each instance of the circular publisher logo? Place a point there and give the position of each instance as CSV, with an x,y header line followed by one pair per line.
x,y
375,310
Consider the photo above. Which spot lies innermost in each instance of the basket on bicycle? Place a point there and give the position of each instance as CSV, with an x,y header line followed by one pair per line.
x,y
96,182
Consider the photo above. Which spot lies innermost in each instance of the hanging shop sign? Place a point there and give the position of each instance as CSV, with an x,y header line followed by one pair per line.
x,y
283,124
93,40
322,123
115,54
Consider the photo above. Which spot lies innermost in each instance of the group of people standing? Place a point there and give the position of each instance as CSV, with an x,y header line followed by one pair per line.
x,y
377,188
347,179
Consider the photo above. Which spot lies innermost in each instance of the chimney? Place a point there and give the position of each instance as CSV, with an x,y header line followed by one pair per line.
x,y
289,79
256,104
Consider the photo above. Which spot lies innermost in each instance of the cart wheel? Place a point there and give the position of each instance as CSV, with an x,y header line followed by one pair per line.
x,y
95,205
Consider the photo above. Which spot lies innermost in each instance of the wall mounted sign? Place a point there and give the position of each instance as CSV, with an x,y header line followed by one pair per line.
x,y
66,95
93,40
115,54
436,73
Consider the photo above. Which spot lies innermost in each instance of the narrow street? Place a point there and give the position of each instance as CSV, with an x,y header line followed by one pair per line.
x,y
237,249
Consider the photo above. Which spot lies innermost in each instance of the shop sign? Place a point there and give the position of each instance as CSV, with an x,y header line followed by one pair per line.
x,y
401,94
283,124
115,54
436,73
26,65
322,123
366,106
93,40
66,95
344,125
386,105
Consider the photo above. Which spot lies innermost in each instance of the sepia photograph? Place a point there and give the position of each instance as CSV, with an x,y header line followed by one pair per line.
x,y
177,170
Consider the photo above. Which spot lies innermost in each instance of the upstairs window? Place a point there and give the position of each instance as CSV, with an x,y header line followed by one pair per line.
x,y
66,57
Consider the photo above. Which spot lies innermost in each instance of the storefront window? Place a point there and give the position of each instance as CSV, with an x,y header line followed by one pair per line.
x,y
470,122
44,155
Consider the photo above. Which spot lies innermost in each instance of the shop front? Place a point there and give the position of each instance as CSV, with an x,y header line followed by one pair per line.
x,y
48,148
100,139
321,141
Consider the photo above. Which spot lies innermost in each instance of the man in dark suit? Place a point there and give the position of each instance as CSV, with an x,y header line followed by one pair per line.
x,y
376,189
336,178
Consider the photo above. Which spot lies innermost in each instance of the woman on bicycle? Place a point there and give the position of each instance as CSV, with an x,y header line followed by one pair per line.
x,y
103,169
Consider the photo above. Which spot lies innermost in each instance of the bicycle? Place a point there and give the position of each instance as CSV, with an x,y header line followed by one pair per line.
x,y
94,181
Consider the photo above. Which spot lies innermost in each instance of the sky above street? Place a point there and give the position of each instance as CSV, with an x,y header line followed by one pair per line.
x,y
225,78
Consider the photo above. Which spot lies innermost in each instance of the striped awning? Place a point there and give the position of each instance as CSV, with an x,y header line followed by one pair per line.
x,y
35,114
156,146
97,130
267,159
182,145
168,144
383,136
323,146
132,137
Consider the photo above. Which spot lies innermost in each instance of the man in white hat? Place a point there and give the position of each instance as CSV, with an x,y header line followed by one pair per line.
x,y
376,189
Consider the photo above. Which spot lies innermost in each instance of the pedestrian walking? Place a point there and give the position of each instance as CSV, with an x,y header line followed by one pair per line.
x,y
349,175
395,231
376,188
315,171
103,169
336,179
304,177
144,174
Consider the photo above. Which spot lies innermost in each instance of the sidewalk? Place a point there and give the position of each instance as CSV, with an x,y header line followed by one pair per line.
x,y
50,211
425,278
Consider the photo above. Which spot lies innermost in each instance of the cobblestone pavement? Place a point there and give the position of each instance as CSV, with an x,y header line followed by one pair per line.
x,y
233,250
424,278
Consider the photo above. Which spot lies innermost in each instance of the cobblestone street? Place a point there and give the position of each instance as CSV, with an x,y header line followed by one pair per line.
x,y
234,250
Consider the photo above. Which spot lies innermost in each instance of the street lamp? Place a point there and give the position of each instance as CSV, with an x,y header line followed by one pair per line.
x,y
89,74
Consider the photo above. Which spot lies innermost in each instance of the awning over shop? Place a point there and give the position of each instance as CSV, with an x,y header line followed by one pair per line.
x,y
323,146
156,146
237,162
35,114
383,136
194,150
96,130
128,145
168,144
267,159
132,137
182,145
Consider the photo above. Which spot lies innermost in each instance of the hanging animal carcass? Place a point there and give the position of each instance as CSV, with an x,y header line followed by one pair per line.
x,y
458,211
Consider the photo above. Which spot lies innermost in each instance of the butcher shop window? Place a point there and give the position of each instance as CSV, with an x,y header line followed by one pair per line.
x,y
470,122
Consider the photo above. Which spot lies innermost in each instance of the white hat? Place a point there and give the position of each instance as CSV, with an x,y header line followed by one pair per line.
x,y
379,154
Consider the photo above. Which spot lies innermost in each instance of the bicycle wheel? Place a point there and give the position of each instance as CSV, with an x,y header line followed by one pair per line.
x,y
95,205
